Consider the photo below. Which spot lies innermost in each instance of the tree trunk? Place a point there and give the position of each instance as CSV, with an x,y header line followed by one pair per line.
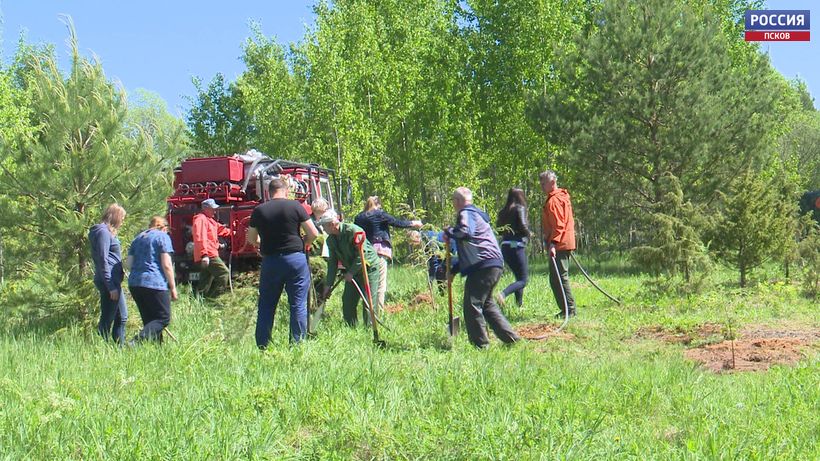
x,y
742,268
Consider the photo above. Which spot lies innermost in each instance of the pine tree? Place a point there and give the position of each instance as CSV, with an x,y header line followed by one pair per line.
x,y
653,91
78,159
673,242
750,226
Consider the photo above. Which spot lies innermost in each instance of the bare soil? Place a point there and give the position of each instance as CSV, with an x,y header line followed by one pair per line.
x,y
749,354
542,331
422,300
395,308
756,348
419,301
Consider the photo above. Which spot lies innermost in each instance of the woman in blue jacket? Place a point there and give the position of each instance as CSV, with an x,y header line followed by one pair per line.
x,y
376,225
106,252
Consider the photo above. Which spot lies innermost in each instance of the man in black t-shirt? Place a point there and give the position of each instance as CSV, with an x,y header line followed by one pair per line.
x,y
275,227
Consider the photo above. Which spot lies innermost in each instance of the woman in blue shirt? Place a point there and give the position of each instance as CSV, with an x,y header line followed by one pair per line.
x,y
151,281
106,252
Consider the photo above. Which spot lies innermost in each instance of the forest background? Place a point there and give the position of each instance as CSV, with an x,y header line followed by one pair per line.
x,y
681,145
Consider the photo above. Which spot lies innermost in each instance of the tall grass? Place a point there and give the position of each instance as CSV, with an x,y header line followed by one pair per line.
x,y
602,395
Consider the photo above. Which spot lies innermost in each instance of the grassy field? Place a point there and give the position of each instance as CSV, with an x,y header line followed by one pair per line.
x,y
603,394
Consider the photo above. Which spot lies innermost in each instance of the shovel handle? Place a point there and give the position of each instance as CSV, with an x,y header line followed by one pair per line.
x,y
358,240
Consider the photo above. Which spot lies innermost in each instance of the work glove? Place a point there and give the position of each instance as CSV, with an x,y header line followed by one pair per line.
x,y
205,261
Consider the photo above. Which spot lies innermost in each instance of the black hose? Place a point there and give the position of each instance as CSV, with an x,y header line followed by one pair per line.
x,y
592,281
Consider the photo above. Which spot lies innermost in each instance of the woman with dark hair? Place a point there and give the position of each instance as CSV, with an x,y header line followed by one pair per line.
x,y
106,252
376,225
515,234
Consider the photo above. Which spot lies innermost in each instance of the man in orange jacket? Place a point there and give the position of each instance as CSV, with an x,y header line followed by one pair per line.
x,y
558,227
213,273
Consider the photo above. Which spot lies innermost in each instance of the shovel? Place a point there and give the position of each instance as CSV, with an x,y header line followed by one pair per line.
x,y
358,240
364,300
452,325
313,320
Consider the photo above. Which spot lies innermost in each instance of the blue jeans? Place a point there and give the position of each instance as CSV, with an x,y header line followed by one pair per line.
x,y
113,314
516,258
291,272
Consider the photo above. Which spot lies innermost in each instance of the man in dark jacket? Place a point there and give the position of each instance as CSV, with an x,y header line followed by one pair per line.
x,y
479,259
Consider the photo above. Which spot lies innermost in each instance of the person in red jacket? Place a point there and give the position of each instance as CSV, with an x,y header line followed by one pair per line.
x,y
213,273
558,227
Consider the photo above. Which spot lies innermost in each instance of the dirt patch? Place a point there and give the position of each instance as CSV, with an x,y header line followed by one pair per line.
x,y
756,348
679,336
422,300
542,331
419,301
395,308
749,354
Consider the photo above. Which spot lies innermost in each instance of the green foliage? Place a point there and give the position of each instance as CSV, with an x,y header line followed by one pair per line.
x,y
45,298
217,120
646,96
79,158
76,148
809,251
272,100
799,148
751,224
673,243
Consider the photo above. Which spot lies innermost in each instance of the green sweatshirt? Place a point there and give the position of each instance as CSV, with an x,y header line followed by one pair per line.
x,y
342,249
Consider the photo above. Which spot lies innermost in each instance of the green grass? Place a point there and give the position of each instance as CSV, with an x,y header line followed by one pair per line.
x,y
603,395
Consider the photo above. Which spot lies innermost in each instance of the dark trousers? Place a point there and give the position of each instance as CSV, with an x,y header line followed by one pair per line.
x,y
214,278
291,273
155,310
436,272
350,297
113,314
480,306
516,258
562,260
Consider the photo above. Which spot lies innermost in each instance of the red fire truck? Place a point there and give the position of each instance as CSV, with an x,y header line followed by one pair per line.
x,y
238,184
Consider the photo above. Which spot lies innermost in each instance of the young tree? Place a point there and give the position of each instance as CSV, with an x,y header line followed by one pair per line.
x,y
751,224
673,243
77,160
